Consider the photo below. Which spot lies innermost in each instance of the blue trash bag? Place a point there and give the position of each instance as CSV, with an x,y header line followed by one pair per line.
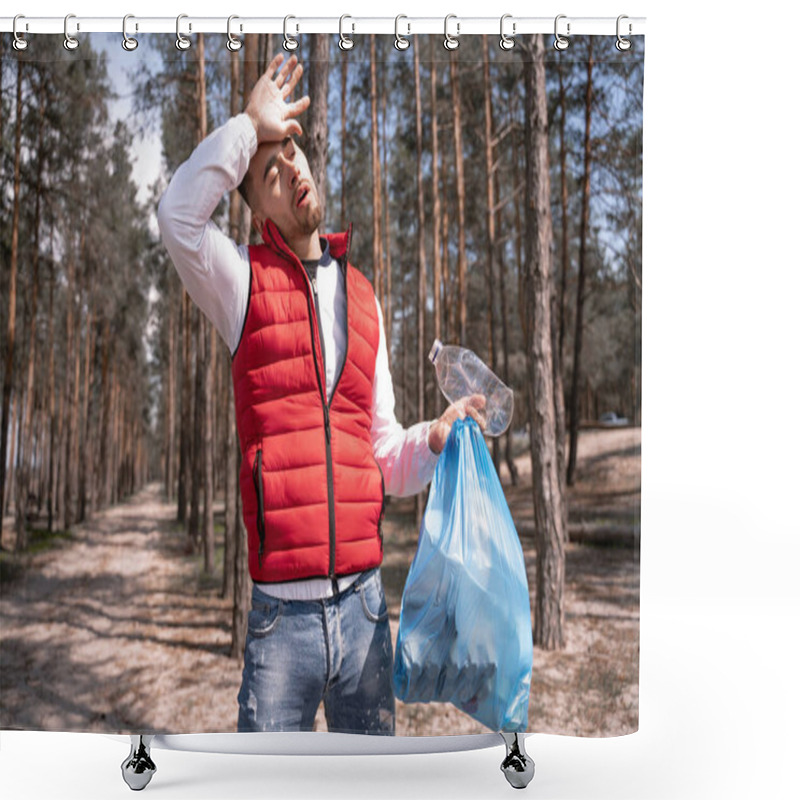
x,y
465,620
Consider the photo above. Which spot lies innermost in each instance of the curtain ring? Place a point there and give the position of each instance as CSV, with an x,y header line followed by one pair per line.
x,y
182,43
234,43
20,42
70,42
289,42
622,43
561,42
345,42
450,42
400,42
128,42
507,42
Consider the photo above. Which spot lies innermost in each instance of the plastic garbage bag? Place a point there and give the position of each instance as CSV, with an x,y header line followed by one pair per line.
x,y
465,621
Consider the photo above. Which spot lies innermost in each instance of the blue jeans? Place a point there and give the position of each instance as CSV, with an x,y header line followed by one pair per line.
x,y
337,650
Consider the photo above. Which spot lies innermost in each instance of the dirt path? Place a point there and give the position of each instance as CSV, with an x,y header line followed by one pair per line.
x,y
113,630
108,632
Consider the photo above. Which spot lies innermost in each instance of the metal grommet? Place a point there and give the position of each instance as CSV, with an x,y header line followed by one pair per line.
x,y
561,42
20,43
400,42
622,43
181,42
70,42
128,42
234,43
345,42
450,42
507,42
289,42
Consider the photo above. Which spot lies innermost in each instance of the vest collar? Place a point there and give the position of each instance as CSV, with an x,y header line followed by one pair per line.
x,y
338,243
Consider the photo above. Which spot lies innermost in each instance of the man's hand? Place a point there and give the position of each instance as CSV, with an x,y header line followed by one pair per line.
x,y
272,117
471,406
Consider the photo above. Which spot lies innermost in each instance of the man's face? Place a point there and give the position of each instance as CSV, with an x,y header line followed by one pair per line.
x,y
280,188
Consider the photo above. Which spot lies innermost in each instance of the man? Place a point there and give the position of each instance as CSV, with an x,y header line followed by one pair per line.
x,y
315,415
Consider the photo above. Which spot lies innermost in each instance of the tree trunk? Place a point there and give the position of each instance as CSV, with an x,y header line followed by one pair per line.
x,y
10,484
519,239
169,402
234,212
209,371
74,430
251,63
579,301
8,374
488,133
559,303
105,425
560,413
185,421
437,218
343,159
197,461
51,392
232,461
59,457
316,125
85,478
562,164
547,498
110,475
67,441
204,381
377,262
449,324
509,450
460,196
386,306
26,443
242,586
422,269
250,76
231,448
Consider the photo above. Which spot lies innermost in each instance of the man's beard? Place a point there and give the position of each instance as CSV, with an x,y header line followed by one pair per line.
x,y
310,220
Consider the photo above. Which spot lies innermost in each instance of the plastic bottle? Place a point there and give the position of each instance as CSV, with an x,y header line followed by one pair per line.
x,y
461,373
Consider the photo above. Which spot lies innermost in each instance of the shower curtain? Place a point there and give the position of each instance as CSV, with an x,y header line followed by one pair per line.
x,y
495,198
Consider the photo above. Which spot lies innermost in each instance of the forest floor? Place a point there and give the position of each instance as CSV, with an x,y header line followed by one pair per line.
x,y
112,627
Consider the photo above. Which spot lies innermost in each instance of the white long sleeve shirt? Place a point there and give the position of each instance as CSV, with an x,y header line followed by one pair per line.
x,y
216,274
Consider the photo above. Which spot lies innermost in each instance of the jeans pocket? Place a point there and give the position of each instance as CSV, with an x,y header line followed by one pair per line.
x,y
373,600
263,619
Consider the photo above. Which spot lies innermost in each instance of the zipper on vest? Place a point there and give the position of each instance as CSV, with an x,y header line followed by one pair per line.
x,y
321,383
258,480
328,453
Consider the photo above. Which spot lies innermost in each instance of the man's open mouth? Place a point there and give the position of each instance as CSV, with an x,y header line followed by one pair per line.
x,y
301,196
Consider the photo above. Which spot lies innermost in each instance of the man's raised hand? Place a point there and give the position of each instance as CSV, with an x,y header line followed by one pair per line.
x,y
272,117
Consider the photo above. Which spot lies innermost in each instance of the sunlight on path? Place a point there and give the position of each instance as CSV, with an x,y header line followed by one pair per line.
x,y
109,632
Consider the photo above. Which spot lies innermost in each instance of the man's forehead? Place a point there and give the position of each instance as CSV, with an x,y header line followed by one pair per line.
x,y
267,151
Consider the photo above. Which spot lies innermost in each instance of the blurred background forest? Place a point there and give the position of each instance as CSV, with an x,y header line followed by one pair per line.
x,y
112,379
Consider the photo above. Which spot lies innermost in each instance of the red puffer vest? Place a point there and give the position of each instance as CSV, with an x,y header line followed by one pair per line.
x,y
312,491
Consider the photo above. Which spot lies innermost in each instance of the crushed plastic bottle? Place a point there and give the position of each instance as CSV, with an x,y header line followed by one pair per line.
x,y
461,373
